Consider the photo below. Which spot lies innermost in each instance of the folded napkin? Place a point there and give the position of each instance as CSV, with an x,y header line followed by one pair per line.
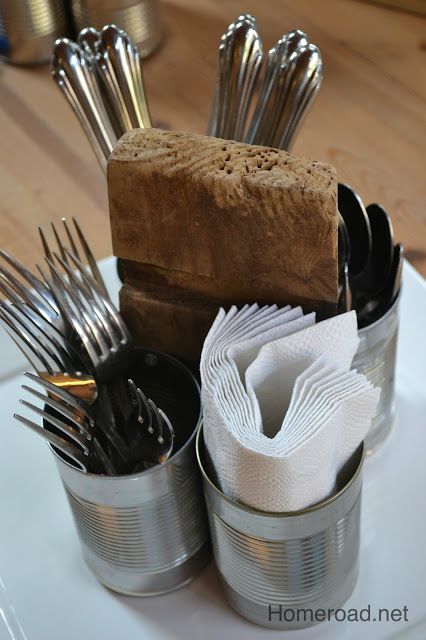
x,y
283,412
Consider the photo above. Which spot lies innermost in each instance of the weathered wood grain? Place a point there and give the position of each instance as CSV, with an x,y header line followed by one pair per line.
x,y
202,222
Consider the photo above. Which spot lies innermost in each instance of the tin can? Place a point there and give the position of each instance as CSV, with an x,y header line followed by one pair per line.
x,y
280,570
146,533
375,358
141,19
29,28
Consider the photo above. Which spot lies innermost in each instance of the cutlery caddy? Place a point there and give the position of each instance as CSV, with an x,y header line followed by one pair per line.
x,y
146,533
201,222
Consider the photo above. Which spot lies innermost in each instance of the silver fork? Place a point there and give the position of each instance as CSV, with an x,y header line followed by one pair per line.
x,y
19,284
78,246
94,318
38,339
75,424
154,444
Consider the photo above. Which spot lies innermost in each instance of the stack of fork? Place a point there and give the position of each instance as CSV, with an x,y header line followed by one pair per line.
x,y
70,331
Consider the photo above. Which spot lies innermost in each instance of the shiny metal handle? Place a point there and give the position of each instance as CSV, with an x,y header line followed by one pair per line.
x,y
304,85
266,110
292,80
119,62
74,75
240,57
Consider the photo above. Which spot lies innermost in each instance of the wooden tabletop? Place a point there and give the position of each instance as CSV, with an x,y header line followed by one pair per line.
x,y
369,120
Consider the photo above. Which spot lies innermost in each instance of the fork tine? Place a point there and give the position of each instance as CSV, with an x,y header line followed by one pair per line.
x,y
58,241
144,402
23,327
73,245
45,244
32,280
90,259
91,307
135,398
20,338
104,459
59,424
61,290
49,331
112,312
60,443
62,409
168,423
65,396
158,420
43,302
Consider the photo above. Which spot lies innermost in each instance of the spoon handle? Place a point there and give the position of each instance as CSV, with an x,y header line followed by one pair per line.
x,y
261,127
240,57
72,71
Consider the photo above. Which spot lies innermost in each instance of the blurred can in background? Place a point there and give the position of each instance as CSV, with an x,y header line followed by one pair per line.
x,y
141,19
29,28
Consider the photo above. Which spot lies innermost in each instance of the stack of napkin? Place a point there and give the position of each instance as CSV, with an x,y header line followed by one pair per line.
x,y
283,412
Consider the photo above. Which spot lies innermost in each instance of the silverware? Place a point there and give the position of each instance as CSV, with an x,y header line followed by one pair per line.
x,y
153,432
104,336
345,295
67,425
376,275
240,57
376,307
375,265
101,77
292,80
119,62
81,386
357,223
266,107
302,85
76,239
73,72
73,452
69,419
38,340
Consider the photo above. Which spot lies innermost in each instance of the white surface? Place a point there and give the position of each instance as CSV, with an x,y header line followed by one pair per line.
x,y
47,593
282,411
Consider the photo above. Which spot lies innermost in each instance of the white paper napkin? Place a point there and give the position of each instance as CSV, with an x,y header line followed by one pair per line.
x,y
282,410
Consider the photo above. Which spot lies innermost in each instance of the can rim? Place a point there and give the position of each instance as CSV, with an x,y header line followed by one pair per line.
x,y
274,514
157,467
384,316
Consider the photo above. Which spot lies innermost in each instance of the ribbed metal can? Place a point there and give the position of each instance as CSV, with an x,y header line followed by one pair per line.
x,y
280,569
29,29
146,533
141,19
375,358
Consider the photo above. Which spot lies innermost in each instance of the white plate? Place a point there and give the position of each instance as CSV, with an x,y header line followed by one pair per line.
x,y
46,591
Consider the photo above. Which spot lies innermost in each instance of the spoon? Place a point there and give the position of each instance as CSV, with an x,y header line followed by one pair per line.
x,y
303,81
261,128
240,57
357,223
376,308
72,71
376,275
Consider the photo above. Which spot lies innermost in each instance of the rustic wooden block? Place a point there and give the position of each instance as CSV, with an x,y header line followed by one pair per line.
x,y
200,222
